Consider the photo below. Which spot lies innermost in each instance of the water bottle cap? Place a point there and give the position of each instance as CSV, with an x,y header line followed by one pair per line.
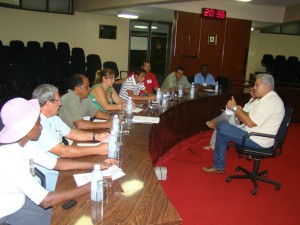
x,y
97,167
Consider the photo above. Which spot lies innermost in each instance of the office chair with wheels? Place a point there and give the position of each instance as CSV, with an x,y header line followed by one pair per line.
x,y
260,153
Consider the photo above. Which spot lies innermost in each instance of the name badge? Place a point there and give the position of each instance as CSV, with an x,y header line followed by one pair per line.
x,y
149,81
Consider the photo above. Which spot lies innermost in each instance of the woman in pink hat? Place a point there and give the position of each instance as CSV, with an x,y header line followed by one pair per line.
x,y
23,199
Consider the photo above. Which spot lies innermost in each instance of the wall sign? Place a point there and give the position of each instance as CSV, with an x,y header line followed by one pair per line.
x,y
214,13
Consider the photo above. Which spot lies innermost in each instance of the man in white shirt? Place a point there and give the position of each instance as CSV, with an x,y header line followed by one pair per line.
x,y
21,195
54,129
264,117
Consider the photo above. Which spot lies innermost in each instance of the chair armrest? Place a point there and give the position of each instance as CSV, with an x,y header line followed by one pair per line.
x,y
258,135
42,176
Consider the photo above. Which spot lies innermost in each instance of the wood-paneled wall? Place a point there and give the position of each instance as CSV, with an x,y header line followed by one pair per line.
x,y
190,46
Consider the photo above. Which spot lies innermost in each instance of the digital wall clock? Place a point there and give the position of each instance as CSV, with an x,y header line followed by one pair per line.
x,y
214,13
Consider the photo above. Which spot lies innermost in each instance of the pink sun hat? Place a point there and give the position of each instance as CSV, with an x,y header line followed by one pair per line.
x,y
18,117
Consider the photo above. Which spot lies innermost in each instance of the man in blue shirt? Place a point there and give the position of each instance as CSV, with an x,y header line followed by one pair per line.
x,y
204,79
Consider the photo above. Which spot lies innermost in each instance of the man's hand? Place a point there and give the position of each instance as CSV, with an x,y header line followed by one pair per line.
x,y
231,103
102,136
103,148
108,162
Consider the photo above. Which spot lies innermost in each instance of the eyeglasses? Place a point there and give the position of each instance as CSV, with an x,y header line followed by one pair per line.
x,y
85,87
55,100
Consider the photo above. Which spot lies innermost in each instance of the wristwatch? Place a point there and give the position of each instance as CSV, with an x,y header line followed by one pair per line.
x,y
234,108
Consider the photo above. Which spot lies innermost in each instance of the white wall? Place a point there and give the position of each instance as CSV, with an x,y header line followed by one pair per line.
x,y
275,44
79,30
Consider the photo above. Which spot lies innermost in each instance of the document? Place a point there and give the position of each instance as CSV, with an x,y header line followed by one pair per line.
x,y
137,110
145,119
114,172
228,111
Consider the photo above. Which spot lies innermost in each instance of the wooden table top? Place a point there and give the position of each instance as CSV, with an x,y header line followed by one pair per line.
x,y
136,198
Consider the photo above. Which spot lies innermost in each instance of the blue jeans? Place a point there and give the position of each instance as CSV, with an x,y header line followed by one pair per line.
x,y
228,133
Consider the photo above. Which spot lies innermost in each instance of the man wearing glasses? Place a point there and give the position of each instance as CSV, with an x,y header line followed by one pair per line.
x,y
54,129
76,105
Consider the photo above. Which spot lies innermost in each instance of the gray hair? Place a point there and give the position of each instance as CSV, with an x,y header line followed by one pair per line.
x,y
267,79
44,92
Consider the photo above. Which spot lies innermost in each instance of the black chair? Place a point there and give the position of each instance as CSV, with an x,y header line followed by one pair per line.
x,y
77,64
63,55
259,153
224,82
93,63
267,62
191,78
49,50
113,65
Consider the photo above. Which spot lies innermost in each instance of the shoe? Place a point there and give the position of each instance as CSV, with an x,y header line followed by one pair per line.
x,y
209,147
212,170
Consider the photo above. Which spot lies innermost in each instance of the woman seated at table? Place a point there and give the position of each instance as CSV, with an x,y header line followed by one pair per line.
x,y
102,94
133,85
232,119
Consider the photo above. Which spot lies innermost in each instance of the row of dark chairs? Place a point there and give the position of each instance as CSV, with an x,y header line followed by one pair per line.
x,y
22,67
283,69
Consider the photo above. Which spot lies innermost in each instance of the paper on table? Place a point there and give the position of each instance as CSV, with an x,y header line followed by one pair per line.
x,y
99,120
145,119
228,112
209,90
114,172
137,110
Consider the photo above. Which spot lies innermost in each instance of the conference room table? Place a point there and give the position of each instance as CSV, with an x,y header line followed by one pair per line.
x,y
138,197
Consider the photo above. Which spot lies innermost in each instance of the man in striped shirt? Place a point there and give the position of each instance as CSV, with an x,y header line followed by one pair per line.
x,y
133,85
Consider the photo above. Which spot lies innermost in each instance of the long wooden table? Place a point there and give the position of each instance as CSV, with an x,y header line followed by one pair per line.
x,y
138,198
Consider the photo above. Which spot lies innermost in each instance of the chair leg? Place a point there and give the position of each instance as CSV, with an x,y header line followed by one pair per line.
x,y
254,176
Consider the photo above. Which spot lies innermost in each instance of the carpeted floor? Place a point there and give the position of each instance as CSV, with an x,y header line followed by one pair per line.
x,y
207,199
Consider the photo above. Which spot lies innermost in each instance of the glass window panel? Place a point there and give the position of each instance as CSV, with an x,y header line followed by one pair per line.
x,y
63,6
40,5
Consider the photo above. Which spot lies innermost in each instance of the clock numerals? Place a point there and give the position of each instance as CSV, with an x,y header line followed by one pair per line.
x,y
214,13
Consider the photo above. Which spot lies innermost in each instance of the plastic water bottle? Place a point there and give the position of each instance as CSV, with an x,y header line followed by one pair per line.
x,y
129,106
115,124
164,103
180,91
96,184
113,147
158,95
217,87
192,91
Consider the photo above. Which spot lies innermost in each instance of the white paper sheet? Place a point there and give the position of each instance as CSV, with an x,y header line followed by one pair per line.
x,y
145,119
114,172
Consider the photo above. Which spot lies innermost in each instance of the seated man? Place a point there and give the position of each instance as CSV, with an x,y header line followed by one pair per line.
x,y
76,105
54,129
204,79
175,79
133,85
23,199
265,117
150,81
232,119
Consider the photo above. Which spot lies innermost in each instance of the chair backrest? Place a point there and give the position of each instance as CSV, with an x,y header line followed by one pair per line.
x,y
282,131
224,82
112,65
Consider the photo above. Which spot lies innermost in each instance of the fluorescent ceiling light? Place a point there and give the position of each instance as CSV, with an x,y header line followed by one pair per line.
x,y
144,27
140,27
128,15
244,0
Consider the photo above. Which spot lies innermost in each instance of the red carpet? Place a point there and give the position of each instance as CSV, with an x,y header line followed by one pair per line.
x,y
207,199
